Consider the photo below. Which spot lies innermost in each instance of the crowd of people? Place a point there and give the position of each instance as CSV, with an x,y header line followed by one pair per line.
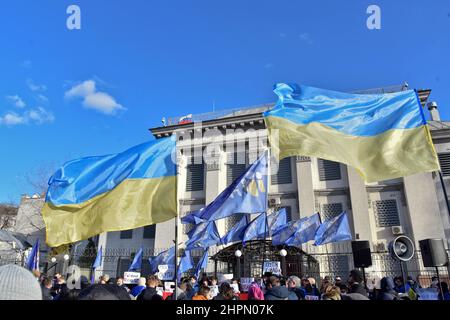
x,y
17,283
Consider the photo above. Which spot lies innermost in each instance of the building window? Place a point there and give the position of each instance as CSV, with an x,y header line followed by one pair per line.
x,y
236,164
149,231
444,161
126,234
331,210
188,227
329,170
386,213
195,177
232,221
284,174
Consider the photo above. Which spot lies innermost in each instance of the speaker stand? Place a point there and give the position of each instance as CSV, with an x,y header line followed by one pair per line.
x,y
364,277
403,276
439,283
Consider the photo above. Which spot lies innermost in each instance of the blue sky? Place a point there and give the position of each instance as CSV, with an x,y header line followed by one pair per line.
x,y
66,94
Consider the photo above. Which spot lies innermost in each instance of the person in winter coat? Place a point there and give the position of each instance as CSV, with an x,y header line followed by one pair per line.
x,y
311,289
255,292
387,291
356,284
277,292
139,288
294,285
202,294
332,293
150,292
104,292
46,287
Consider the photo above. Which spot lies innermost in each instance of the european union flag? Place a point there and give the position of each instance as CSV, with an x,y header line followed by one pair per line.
x,y
185,263
237,232
334,230
306,231
247,194
202,263
165,257
137,261
97,263
207,236
33,258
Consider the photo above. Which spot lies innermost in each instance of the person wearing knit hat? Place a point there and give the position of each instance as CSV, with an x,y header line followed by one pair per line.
x,y
17,283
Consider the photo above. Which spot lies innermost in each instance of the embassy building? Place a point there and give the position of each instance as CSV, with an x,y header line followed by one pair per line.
x,y
215,148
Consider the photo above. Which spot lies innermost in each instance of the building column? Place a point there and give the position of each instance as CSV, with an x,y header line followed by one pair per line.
x,y
423,207
305,187
360,209
215,183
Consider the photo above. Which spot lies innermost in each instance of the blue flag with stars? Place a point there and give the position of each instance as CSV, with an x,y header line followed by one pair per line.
x,y
185,264
306,231
165,257
207,236
334,230
97,263
237,232
33,258
256,229
137,261
202,264
277,220
246,194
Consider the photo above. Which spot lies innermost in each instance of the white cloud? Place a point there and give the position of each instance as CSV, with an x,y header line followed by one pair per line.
x,y
39,116
17,101
36,87
27,64
12,119
82,90
34,116
94,99
42,98
305,37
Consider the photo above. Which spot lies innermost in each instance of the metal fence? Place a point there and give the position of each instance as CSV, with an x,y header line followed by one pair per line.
x,y
318,264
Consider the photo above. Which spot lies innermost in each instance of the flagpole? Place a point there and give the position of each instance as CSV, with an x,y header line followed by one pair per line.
x,y
176,257
264,250
326,248
265,213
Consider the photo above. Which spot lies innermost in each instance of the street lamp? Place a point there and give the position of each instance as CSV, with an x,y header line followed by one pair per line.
x,y
283,254
238,254
66,257
53,260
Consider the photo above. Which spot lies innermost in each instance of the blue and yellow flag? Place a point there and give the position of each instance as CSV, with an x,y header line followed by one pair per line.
x,y
121,191
383,136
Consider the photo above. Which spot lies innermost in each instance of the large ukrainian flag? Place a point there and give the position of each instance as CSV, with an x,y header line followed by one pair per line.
x,y
120,191
383,136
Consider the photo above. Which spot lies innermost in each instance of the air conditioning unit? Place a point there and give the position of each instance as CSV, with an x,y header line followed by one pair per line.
x,y
274,202
397,230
